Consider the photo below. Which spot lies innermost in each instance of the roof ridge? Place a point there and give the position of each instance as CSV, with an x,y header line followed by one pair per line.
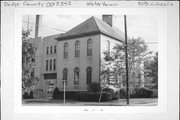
x,y
92,25
96,23
78,25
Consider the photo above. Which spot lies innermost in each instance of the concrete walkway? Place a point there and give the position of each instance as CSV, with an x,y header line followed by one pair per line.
x,y
121,102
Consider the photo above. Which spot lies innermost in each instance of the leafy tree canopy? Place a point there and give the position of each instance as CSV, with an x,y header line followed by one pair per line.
x,y
28,56
137,54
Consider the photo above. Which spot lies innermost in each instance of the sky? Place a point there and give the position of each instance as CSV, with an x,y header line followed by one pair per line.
x,y
144,26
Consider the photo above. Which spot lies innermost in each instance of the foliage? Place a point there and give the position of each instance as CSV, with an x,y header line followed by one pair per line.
x,y
28,54
94,87
155,93
56,93
115,61
27,95
137,93
112,92
93,96
141,93
60,94
151,71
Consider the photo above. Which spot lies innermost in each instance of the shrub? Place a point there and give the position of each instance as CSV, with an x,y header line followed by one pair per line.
x,y
155,93
94,87
93,96
56,93
87,96
68,94
145,93
136,93
122,93
106,96
27,95
60,94
112,92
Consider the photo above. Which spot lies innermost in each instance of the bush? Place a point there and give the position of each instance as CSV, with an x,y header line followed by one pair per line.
x,y
155,93
60,94
106,96
136,93
112,92
94,87
122,93
145,93
68,95
93,96
56,94
28,96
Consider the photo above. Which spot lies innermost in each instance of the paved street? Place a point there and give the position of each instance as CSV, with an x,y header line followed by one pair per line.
x,y
121,102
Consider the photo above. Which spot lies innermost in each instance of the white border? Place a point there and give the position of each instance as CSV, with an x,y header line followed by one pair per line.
x,y
172,92
162,49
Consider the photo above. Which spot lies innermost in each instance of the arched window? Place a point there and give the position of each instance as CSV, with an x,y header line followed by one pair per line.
x,y
89,47
76,76
88,75
46,65
50,68
54,64
65,50
77,49
54,49
65,74
51,50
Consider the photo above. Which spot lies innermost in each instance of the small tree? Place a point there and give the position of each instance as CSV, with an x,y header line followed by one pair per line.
x,y
151,71
137,54
28,56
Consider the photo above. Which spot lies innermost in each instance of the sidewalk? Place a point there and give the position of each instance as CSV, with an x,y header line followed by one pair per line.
x,y
121,102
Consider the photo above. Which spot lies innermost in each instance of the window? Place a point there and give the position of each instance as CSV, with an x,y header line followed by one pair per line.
x,y
65,50
77,48
54,64
76,76
88,75
47,50
89,47
50,68
51,49
46,65
54,49
65,73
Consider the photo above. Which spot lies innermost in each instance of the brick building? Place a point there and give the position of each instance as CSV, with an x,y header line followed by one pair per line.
x,y
75,56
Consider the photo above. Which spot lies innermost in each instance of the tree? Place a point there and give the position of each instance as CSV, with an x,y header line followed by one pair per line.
x,y
28,57
151,71
115,60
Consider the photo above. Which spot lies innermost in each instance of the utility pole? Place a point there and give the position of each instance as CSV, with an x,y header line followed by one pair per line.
x,y
126,55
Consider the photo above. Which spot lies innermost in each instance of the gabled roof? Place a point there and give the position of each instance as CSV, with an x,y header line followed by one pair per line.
x,y
92,26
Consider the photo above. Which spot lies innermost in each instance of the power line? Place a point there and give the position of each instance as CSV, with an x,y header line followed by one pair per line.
x,y
45,26
66,31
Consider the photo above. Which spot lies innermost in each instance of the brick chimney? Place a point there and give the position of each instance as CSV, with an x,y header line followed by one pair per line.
x,y
38,25
108,19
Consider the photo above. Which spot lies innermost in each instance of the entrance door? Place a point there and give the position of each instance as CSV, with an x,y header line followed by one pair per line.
x,y
49,88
